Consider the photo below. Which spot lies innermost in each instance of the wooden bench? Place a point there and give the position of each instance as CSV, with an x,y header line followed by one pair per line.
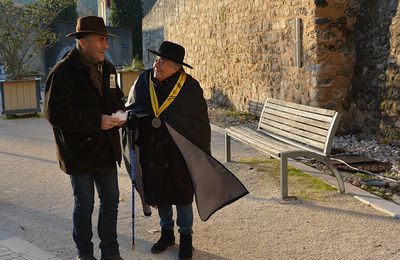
x,y
289,130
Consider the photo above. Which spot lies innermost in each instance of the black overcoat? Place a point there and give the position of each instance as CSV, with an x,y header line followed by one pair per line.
x,y
74,106
175,159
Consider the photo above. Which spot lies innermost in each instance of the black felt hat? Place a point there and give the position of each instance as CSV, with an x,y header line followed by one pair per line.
x,y
90,24
171,51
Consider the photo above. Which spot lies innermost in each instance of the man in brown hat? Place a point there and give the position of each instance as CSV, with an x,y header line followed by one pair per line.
x,y
81,103
169,115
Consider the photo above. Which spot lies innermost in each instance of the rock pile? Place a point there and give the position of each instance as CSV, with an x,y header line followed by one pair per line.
x,y
352,144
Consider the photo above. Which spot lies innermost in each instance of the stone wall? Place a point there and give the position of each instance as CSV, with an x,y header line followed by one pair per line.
x,y
243,51
334,54
390,97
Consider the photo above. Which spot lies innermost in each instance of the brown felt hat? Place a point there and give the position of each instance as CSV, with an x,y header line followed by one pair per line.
x,y
90,24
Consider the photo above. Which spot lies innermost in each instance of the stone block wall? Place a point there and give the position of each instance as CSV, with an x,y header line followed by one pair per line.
x,y
390,101
243,52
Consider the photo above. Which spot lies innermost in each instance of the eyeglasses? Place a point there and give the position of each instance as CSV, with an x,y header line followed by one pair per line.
x,y
159,60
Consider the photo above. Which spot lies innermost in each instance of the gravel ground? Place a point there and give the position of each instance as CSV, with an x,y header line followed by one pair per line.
x,y
36,205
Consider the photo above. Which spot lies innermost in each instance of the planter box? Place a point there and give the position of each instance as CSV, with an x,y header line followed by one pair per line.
x,y
126,80
20,96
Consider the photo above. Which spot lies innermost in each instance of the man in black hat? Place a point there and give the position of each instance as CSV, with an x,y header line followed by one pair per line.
x,y
82,101
168,114
163,94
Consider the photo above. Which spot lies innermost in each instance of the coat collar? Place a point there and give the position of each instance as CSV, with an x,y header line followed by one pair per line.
x,y
82,66
76,58
168,82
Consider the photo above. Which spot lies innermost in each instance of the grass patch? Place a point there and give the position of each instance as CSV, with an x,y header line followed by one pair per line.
x,y
232,112
362,176
300,184
308,187
238,114
254,161
381,192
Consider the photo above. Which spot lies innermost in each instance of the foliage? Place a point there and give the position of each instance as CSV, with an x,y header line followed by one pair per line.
x,y
136,65
129,13
362,176
69,14
25,32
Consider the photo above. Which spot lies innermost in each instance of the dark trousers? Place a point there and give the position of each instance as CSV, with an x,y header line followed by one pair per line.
x,y
107,189
184,218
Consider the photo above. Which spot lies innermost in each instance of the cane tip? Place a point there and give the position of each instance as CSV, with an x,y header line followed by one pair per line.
x,y
133,245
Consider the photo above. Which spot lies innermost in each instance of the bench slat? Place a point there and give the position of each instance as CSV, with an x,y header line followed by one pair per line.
x,y
297,138
293,111
257,140
318,110
293,130
263,142
305,127
298,119
262,139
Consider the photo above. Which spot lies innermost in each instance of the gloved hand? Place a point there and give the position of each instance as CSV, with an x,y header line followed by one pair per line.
x,y
132,121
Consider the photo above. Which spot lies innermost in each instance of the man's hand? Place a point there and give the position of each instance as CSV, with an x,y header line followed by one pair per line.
x,y
108,122
121,116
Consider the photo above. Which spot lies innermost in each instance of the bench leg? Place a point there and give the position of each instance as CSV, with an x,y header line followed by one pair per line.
x,y
227,148
284,177
337,175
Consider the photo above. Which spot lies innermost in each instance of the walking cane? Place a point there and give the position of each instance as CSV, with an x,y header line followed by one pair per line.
x,y
132,157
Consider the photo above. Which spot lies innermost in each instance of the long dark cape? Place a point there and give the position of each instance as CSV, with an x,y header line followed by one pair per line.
x,y
214,185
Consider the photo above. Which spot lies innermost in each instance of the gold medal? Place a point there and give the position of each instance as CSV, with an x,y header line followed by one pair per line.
x,y
156,122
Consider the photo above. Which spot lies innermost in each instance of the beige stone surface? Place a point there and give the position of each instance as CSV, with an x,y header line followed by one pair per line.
x,y
243,51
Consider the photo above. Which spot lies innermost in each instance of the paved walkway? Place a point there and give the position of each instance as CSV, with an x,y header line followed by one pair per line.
x,y
13,247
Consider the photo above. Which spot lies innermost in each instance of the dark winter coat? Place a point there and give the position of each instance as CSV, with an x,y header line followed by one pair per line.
x,y
74,107
175,159
165,176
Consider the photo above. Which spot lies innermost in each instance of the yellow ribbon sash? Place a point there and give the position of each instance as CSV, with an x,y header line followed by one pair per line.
x,y
171,97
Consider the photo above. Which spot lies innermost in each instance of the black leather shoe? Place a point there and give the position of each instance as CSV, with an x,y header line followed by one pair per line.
x,y
185,246
166,240
85,257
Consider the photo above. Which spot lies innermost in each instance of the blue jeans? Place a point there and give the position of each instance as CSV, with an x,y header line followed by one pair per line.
x,y
184,218
107,189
